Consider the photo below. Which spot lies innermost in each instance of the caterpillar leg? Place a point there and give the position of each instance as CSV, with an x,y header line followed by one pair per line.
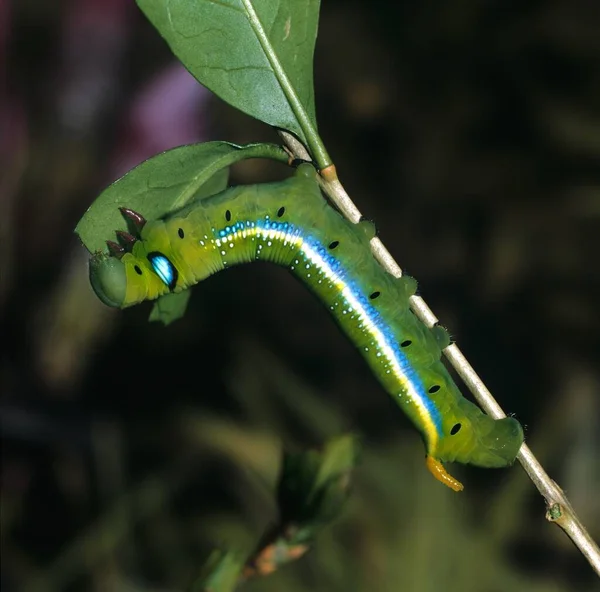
x,y
436,468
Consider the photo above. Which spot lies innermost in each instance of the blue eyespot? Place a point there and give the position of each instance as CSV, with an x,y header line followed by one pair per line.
x,y
163,268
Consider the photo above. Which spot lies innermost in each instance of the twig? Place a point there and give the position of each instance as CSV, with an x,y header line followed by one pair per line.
x,y
559,509
275,550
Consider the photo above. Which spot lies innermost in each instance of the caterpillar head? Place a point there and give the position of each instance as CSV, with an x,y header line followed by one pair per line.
x,y
131,279
108,276
130,274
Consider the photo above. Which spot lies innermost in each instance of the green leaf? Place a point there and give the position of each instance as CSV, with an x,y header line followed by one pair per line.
x,y
170,307
256,55
220,573
313,485
338,458
165,183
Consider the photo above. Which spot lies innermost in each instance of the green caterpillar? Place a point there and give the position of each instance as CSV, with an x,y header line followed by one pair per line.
x,y
290,223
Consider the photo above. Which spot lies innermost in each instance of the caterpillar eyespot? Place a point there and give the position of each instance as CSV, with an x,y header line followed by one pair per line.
x,y
163,268
403,353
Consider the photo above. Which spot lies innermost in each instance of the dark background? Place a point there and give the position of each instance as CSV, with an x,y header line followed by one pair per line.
x,y
469,131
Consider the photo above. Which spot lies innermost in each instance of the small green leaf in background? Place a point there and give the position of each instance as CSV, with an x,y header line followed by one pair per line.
x,y
170,307
165,183
257,55
312,490
221,572
314,485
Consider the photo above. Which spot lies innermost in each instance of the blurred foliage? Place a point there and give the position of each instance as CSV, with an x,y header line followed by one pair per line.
x,y
469,132
311,493
221,572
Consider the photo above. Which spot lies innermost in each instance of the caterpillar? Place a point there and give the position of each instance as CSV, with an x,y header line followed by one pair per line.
x,y
291,224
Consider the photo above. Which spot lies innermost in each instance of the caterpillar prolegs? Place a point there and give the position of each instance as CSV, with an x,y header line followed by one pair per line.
x,y
290,223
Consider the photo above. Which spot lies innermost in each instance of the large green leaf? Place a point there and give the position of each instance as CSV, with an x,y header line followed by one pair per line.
x,y
165,183
257,55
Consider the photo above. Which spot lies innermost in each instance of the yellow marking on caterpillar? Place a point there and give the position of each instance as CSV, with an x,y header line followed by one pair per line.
x,y
436,468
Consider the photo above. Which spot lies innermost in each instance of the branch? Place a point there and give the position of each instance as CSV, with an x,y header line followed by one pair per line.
x,y
559,509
